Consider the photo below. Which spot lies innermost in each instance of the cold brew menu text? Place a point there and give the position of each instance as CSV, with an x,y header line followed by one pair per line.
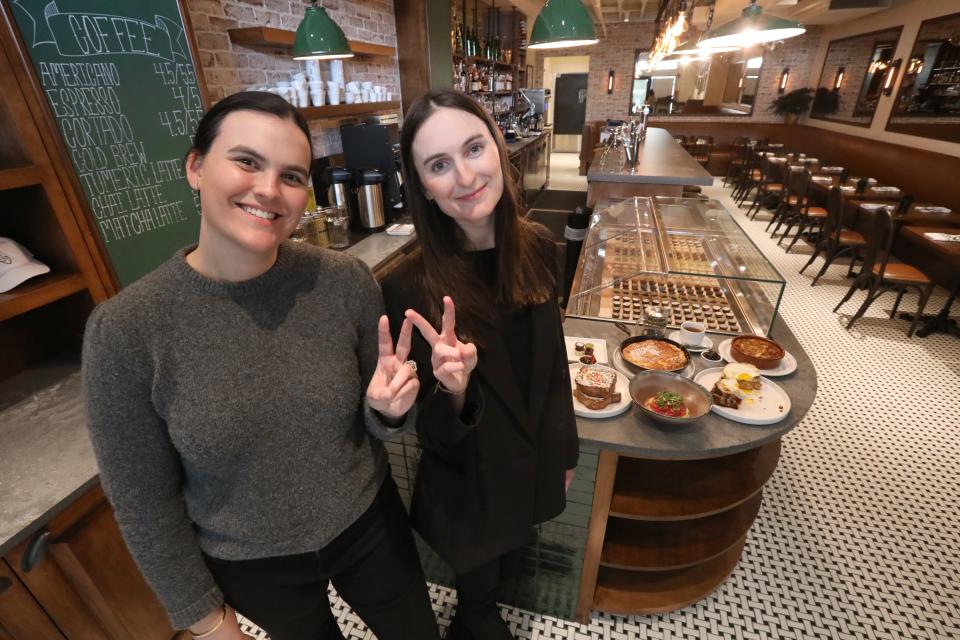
x,y
122,87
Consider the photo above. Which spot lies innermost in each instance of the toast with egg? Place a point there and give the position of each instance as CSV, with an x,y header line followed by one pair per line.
x,y
740,382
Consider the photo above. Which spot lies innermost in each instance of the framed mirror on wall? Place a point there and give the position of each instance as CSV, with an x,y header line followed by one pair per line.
x,y
856,72
721,84
928,102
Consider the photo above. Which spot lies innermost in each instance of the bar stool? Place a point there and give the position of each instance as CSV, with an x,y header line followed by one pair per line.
x,y
834,239
879,275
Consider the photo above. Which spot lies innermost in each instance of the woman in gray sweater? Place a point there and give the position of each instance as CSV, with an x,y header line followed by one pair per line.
x,y
226,403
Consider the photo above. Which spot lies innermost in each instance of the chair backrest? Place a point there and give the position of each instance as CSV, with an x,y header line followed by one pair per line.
x,y
879,241
798,184
833,224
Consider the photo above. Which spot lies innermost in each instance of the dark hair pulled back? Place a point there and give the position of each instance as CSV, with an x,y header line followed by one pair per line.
x,y
259,101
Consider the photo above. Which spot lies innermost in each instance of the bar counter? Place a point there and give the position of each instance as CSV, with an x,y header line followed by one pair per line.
x,y
663,168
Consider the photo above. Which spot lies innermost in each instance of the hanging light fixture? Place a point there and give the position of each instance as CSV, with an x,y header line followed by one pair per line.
x,y
690,48
753,27
319,37
561,24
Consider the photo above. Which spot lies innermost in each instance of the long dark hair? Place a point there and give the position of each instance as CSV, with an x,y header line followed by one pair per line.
x,y
523,275
259,101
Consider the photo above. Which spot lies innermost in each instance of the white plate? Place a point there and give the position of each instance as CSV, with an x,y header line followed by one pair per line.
x,y
623,368
703,346
771,405
623,386
599,349
787,366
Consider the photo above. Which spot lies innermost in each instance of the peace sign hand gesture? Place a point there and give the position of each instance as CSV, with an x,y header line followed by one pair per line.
x,y
452,360
394,385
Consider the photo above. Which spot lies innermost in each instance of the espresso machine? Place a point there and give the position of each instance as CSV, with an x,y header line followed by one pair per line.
x,y
376,145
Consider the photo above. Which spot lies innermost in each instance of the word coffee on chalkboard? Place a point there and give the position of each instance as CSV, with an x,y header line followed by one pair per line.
x,y
123,90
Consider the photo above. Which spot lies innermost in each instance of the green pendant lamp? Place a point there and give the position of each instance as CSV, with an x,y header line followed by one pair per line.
x,y
562,24
753,27
319,37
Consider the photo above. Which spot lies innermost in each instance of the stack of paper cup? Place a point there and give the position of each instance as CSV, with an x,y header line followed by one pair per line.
x,y
336,72
333,92
313,70
300,86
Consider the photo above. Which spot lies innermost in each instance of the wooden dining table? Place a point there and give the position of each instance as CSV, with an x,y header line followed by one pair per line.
x,y
949,252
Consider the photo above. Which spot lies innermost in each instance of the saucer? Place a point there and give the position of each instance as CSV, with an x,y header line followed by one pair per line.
x,y
703,346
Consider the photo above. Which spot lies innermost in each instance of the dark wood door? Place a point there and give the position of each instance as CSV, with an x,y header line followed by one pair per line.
x,y
570,104
85,578
21,617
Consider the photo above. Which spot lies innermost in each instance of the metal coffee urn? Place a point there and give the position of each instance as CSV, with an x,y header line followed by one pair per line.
x,y
370,213
337,181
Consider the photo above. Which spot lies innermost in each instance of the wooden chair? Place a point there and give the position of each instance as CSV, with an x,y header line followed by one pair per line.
x,y
701,148
807,218
879,275
749,178
740,153
834,240
768,184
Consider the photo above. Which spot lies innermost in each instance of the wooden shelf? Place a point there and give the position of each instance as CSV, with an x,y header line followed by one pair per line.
x,y
632,592
272,37
332,111
20,177
39,291
639,545
682,490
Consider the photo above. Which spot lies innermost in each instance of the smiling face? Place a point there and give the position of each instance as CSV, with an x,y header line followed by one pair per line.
x,y
459,167
253,185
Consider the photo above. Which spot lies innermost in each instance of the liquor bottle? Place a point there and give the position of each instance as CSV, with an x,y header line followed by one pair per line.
x,y
458,39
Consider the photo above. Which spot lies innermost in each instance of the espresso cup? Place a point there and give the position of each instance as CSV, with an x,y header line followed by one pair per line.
x,y
692,332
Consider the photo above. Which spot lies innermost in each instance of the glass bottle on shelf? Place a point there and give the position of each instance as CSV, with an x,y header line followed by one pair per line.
x,y
458,39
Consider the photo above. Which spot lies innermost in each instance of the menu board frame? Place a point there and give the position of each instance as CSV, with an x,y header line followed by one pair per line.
x,y
59,152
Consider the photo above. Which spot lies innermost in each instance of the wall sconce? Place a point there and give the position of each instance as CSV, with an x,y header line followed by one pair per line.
x,y
784,77
838,81
610,82
891,78
740,84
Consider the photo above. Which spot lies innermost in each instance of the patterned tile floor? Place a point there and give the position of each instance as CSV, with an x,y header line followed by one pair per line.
x,y
859,534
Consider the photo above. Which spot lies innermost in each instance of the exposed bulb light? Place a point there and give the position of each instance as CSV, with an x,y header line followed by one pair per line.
x,y
838,81
610,82
753,27
784,78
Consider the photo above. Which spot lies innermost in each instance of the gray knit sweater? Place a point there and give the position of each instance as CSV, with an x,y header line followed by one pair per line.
x,y
229,417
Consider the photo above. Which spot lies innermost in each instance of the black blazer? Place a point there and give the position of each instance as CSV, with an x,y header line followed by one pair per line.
x,y
487,475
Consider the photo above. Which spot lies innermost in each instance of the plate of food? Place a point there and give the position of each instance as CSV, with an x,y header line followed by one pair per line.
x,y
582,350
643,353
741,394
765,354
598,391
669,398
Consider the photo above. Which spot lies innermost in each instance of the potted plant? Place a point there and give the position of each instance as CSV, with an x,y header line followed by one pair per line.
x,y
792,105
826,102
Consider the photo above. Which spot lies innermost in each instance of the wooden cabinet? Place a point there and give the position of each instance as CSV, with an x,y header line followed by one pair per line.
x,y
44,315
79,574
21,616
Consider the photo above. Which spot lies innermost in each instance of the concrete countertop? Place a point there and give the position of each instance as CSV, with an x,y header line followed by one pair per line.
x,y
46,459
661,161
633,433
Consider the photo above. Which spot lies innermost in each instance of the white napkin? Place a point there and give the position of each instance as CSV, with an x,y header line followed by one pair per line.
x,y
832,169
848,188
873,206
822,179
885,189
932,210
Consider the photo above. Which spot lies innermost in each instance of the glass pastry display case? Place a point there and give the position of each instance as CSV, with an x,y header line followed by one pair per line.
x,y
685,255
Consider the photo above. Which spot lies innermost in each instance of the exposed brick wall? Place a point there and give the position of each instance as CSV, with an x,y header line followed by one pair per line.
x,y
230,68
616,51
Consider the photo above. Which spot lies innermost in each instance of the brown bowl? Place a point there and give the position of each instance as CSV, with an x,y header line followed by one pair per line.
x,y
769,360
648,383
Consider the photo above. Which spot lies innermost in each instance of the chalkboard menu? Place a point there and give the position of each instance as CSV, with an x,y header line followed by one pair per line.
x,y
122,87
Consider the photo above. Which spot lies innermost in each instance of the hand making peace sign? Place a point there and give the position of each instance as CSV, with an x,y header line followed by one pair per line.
x,y
452,360
394,385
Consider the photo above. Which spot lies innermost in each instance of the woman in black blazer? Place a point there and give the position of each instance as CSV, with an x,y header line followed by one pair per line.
x,y
496,420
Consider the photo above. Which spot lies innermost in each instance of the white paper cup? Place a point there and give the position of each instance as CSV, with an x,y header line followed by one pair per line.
x,y
692,332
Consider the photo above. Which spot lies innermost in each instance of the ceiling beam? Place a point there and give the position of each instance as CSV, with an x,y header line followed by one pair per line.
x,y
599,11
620,9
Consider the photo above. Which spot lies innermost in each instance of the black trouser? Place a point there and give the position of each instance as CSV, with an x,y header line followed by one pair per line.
x,y
478,616
373,565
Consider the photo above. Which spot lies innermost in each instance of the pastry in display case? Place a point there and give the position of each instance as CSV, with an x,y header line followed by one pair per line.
x,y
686,256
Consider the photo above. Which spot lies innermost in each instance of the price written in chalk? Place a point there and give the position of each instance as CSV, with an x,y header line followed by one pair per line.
x,y
171,74
180,122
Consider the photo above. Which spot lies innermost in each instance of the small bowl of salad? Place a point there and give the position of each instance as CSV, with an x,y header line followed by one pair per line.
x,y
669,398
